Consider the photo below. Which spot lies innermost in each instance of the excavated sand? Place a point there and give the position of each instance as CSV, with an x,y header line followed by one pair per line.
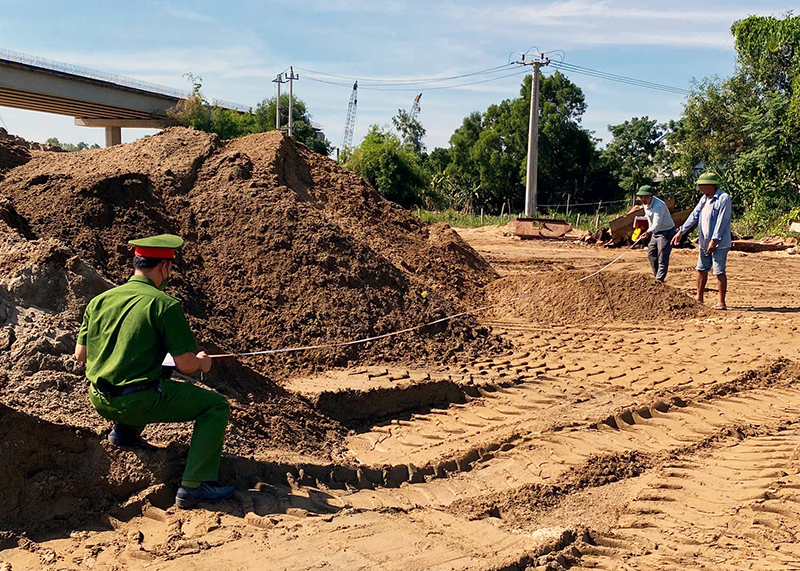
x,y
283,248
626,426
564,297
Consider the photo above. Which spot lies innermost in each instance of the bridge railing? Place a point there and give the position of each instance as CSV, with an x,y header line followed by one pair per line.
x,y
85,72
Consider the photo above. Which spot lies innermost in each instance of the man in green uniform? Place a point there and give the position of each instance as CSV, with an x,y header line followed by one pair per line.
x,y
125,335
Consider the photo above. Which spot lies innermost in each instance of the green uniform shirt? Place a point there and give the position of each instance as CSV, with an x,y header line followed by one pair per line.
x,y
128,331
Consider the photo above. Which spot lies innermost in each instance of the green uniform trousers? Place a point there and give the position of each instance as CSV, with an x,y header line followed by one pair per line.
x,y
176,402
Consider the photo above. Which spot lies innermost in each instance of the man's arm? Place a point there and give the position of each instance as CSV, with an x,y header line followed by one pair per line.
x,y
723,219
189,362
693,218
656,220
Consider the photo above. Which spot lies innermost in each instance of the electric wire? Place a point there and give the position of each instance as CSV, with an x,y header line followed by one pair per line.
x,y
407,81
417,88
619,78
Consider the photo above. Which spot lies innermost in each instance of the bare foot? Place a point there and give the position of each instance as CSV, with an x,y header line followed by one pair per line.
x,y
719,307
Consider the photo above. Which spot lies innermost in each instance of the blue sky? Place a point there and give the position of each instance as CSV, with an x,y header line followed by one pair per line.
x,y
239,47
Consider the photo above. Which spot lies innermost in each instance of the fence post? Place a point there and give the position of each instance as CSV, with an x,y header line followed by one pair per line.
x,y
568,197
597,216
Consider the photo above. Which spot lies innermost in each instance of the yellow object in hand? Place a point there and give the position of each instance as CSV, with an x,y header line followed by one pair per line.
x,y
636,234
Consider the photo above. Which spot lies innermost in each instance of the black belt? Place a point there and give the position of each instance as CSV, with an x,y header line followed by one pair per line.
x,y
108,390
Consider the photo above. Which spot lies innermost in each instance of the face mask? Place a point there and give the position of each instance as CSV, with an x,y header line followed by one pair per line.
x,y
164,282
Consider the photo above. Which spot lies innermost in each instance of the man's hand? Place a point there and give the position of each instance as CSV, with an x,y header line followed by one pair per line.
x,y
645,236
80,352
677,238
712,246
204,361
189,362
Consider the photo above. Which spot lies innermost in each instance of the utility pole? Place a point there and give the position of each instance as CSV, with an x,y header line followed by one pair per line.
x,y
533,135
278,80
291,77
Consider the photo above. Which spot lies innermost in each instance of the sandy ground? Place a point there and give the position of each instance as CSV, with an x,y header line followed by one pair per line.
x,y
597,443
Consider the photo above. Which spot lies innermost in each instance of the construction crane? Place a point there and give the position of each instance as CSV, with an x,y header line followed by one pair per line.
x,y
415,108
350,122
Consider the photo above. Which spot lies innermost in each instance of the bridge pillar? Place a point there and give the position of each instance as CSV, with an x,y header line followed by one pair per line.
x,y
113,136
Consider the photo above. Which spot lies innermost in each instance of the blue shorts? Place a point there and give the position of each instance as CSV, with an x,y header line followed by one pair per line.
x,y
717,260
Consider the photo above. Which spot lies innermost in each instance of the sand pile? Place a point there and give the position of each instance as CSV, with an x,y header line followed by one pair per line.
x,y
559,297
12,154
283,247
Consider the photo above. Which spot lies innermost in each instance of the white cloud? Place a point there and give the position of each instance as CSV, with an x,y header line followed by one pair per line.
x,y
586,23
183,14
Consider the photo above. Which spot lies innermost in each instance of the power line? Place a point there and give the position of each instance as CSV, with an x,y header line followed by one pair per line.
x,y
363,80
397,84
387,88
619,78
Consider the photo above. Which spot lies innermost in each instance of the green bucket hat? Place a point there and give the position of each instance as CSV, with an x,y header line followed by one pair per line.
x,y
645,190
708,178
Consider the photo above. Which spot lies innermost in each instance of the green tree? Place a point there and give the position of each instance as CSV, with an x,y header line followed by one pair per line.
x,y
633,149
198,113
302,127
746,128
394,171
489,151
69,147
411,131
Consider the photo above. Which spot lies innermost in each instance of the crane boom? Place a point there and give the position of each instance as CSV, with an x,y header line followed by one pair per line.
x,y
415,108
349,124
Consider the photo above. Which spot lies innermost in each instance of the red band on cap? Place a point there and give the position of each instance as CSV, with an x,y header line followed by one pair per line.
x,y
167,253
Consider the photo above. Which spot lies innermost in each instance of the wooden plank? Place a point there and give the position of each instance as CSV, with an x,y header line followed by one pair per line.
x,y
531,228
753,246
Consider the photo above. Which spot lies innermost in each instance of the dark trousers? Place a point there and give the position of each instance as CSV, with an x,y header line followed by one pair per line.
x,y
658,252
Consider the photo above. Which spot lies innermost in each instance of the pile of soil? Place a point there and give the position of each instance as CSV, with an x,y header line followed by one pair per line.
x,y
12,154
560,297
283,248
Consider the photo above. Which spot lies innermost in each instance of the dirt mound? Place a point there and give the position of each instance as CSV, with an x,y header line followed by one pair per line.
x,y
12,154
283,248
560,297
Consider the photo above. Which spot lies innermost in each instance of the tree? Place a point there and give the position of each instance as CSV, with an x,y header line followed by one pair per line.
x,y
489,151
196,112
394,171
633,149
302,127
746,128
411,131
69,147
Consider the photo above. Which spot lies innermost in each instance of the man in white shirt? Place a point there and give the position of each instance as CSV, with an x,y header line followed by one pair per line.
x,y
660,230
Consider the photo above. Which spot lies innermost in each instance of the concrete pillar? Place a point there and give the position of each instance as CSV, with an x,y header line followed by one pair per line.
x,y
113,136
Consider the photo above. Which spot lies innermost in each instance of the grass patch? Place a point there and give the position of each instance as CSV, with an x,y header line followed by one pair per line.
x,y
456,219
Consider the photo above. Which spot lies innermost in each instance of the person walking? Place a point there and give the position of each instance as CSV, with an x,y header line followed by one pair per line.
x,y
125,335
713,218
660,230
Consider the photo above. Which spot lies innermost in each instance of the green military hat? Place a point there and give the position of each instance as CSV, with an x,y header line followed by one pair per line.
x,y
645,190
161,246
708,178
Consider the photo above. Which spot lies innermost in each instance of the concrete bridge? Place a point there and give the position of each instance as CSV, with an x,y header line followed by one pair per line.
x,y
93,98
